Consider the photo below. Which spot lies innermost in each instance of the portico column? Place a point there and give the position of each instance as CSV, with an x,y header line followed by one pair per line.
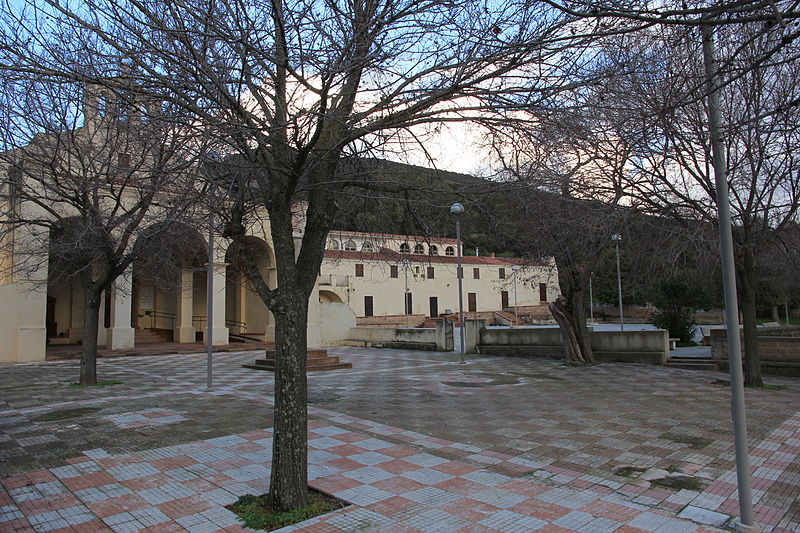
x,y
120,335
76,314
272,282
184,330
219,332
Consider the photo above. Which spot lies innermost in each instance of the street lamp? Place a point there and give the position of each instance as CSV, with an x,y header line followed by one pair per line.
x,y
405,294
457,210
591,300
514,274
616,238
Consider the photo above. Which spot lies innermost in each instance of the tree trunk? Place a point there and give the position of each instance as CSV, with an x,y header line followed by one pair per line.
x,y
571,318
289,477
91,318
747,288
776,317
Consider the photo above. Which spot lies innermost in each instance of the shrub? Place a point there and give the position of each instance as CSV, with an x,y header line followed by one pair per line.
x,y
679,322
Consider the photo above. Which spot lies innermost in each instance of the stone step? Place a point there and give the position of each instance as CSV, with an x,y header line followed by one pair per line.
x,y
310,368
310,361
312,353
692,363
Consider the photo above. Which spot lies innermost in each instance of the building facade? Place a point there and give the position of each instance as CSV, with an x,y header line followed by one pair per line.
x,y
376,273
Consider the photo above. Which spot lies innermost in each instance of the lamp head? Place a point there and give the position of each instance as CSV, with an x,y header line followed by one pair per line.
x,y
457,209
616,237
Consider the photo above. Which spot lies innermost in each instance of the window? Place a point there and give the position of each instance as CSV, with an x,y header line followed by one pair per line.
x,y
419,249
124,160
333,245
449,251
476,273
501,273
405,248
416,270
393,271
433,250
359,270
367,247
430,273
350,246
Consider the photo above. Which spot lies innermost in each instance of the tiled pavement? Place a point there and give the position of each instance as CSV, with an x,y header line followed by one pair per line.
x,y
412,440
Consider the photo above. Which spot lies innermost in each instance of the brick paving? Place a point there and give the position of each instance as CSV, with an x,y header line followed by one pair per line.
x,y
413,440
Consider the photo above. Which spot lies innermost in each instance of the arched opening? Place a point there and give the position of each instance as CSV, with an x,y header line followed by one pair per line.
x,y
419,249
246,314
405,248
333,244
449,251
169,284
329,297
367,247
350,246
433,250
67,259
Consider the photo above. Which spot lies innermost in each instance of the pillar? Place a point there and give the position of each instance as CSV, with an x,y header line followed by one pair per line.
x,y
219,332
76,314
272,282
121,335
102,331
473,328
27,298
445,341
184,330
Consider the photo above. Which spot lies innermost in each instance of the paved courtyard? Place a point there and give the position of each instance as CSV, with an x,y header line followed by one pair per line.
x,y
413,440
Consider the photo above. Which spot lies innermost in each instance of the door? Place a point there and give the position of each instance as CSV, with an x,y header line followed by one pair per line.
x,y
543,292
434,307
409,303
368,309
503,299
472,302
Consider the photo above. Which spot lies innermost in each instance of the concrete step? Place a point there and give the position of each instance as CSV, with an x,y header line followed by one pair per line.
x,y
317,359
309,362
692,363
315,368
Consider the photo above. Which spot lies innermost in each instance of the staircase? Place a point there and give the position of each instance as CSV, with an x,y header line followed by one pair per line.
x,y
152,336
692,363
317,359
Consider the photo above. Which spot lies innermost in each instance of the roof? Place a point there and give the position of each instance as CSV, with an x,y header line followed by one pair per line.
x,y
390,256
397,236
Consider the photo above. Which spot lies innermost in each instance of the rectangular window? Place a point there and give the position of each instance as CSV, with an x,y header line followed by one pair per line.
x,y
359,270
476,273
368,306
124,160
502,273
430,272
393,271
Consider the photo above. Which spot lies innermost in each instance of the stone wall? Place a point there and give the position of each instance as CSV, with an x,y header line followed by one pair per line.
x,y
779,350
644,347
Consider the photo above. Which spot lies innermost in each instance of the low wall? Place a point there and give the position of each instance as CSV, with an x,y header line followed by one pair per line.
x,y
643,347
336,319
386,321
778,350
405,338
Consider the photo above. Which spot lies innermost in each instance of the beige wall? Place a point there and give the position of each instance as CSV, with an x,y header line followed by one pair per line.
x,y
387,292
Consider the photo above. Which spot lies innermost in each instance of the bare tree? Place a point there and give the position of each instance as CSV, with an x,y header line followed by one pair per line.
x,y
90,177
673,172
292,90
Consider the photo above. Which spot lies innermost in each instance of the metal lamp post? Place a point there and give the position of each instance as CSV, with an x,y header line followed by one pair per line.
x,y
457,209
405,294
514,270
591,300
616,238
